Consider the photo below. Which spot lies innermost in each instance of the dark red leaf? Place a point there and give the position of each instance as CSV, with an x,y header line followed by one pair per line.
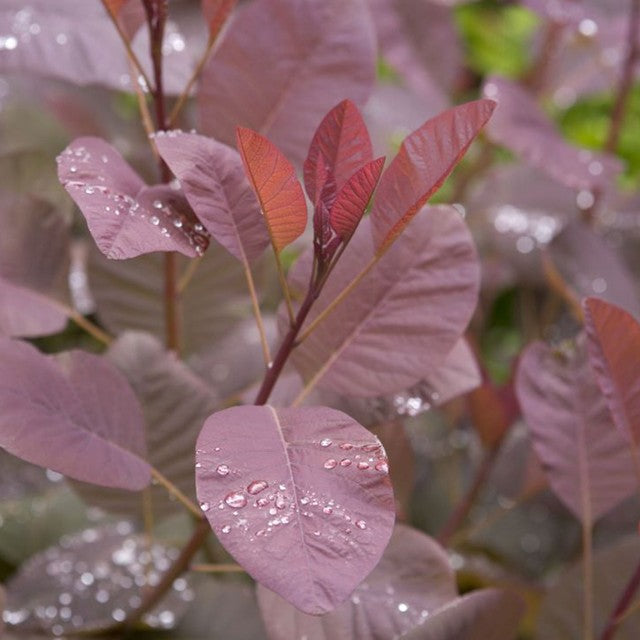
x,y
216,13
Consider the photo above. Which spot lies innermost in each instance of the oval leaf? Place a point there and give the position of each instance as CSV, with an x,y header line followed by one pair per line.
x,y
87,435
300,497
353,198
614,352
212,177
282,65
275,184
426,157
586,459
403,318
342,141
411,581
123,223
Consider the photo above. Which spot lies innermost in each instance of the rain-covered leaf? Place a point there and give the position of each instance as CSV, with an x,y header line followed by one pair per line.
x,y
342,143
125,219
130,295
402,320
486,614
425,159
614,353
586,459
213,180
276,186
175,404
62,416
590,266
521,126
300,497
282,65
353,198
412,580
91,581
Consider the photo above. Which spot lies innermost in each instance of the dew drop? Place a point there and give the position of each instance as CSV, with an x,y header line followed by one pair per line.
x,y
345,462
326,442
205,506
262,502
236,500
280,501
154,220
257,486
157,204
226,528
382,466
403,608
330,464
327,510
370,447
361,524
222,470
345,446
363,465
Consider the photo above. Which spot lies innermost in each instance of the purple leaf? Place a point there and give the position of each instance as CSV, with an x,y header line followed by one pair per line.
x,y
486,614
342,143
212,177
426,157
412,580
26,313
586,459
614,353
591,266
521,126
282,65
125,219
404,317
65,418
300,497
175,403
92,580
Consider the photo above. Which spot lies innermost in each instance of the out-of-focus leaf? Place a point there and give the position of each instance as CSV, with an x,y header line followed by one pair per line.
x,y
486,614
412,580
560,615
425,159
276,186
590,266
213,180
587,460
2,599
64,418
216,13
123,222
130,295
404,317
282,65
129,13
276,492
342,141
175,404
520,125
614,353
91,581
493,410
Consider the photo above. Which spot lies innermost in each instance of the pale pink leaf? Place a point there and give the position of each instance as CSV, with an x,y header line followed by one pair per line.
x,y
426,157
614,352
123,218
586,459
520,125
353,198
282,65
213,179
63,416
276,186
486,614
342,141
412,580
404,317
279,494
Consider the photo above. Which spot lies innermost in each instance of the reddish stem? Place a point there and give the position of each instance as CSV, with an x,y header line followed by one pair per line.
x,y
623,604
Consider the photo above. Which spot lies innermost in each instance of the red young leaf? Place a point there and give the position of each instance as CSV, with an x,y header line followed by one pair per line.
x,y
412,580
129,13
282,65
216,13
586,459
614,352
110,195
353,198
274,181
64,417
213,179
426,157
342,141
300,497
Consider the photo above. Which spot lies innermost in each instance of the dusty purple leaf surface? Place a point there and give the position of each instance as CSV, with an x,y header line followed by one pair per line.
x,y
63,416
304,490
